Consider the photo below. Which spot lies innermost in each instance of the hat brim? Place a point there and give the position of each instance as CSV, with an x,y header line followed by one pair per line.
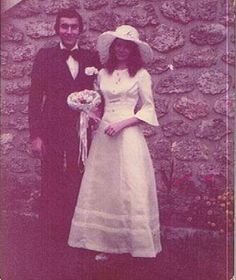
x,y
105,40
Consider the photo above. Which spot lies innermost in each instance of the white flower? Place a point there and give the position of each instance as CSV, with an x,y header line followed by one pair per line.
x,y
89,99
91,71
170,66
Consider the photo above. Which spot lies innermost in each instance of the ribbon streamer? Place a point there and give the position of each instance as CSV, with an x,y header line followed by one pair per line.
x,y
83,145
82,133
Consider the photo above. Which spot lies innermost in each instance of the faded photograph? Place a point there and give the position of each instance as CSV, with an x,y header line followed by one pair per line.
x,y
117,139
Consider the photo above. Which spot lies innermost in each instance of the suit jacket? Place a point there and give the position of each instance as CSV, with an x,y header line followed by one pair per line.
x,y
51,83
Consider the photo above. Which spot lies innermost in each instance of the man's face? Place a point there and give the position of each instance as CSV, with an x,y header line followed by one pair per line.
x,y
69,31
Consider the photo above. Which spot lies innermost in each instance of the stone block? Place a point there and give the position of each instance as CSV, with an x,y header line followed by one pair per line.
x,y
4,55
229,58
165,38
8,108
13,105
224,153
95,5
53,6
227,12
18,88
213,82
179,10
158,66
141,16
26,9
39,29
205,57
225,106
124,3
28,68
214,169
23,145
214,129
160,149
18,122
175,83
207,10
185,11
24,53
190,150
104,20
17,166
175,128
6,143
161,105
208,34
11,72
10,33
191,108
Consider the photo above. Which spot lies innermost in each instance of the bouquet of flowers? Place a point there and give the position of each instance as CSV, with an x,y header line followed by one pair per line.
x,y
84,101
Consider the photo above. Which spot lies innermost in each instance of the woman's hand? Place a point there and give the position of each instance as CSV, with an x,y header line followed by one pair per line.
x,y
114,128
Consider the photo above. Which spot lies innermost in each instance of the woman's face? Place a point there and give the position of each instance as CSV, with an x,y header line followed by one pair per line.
x,y
122,50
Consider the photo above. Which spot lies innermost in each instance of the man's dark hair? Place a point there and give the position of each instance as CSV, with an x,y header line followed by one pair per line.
x,y
68,13
134,62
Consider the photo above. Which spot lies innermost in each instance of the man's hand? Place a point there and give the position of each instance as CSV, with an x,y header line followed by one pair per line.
x,y
37,147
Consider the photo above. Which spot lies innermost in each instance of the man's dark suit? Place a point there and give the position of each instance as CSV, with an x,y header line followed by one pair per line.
x,y
54,122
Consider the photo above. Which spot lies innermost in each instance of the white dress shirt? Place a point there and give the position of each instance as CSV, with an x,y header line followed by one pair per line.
x,y
71,62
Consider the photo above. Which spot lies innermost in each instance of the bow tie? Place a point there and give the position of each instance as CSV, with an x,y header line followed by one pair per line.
x,y
74,53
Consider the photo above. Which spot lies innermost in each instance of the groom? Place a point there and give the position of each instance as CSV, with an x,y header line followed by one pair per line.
x,y
57,72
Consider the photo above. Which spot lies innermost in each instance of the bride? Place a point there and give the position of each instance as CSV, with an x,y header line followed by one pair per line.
x,y
117,208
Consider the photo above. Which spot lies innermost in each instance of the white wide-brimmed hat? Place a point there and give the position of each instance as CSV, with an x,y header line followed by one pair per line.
x,y
125,32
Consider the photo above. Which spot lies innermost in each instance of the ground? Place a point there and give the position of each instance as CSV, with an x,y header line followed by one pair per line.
x,y
25,257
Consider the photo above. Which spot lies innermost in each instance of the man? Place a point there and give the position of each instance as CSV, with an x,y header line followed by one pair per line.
x,y
57,72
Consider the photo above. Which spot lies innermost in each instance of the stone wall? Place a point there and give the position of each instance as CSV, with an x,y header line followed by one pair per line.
x,y
193,75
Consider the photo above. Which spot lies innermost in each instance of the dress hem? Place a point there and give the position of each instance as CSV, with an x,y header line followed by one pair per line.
x,y
93,247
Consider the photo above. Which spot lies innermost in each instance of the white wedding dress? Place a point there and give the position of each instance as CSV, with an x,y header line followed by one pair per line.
x,y
117,208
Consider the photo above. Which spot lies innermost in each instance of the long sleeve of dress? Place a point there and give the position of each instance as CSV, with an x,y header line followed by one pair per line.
x,y
37,93
147,112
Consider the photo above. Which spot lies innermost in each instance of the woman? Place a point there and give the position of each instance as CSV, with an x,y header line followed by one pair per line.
x,y
117,210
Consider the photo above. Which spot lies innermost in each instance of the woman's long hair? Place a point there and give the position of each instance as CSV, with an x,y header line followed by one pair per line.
x,y
134,62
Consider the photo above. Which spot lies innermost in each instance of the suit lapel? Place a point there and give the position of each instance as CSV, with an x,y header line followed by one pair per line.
x,y
81,66
62,67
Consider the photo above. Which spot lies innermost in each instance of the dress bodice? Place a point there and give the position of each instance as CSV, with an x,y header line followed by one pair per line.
x,y
122,93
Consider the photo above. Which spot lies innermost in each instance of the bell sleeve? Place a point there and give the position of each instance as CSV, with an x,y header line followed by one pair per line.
x,y
147,111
